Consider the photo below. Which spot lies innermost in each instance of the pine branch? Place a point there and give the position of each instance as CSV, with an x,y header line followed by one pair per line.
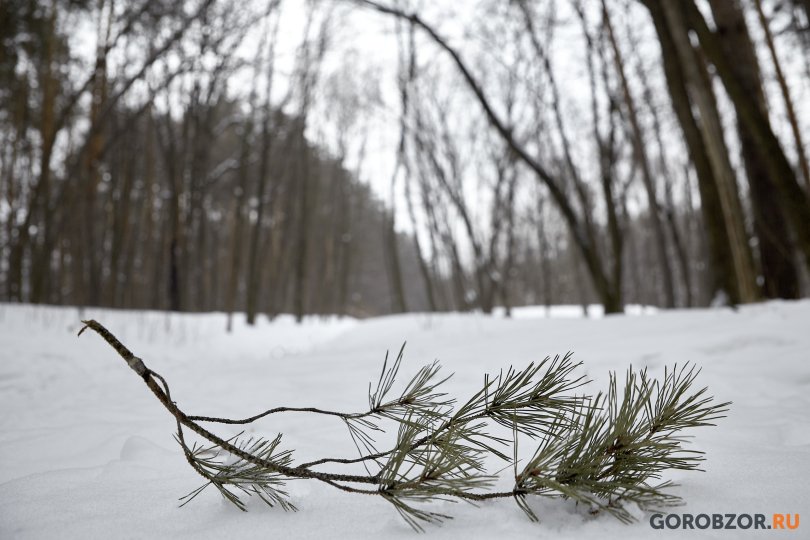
x,y
424,473
534,398
602,451
251,479
617,446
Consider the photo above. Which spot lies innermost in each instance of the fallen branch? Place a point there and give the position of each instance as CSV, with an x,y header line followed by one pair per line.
x,y
601,451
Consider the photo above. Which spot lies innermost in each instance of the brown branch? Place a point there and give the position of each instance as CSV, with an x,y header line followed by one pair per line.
x,y
154,381
151,378
314,410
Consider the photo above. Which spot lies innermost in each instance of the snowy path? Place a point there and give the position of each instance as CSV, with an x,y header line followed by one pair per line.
x,y
87,452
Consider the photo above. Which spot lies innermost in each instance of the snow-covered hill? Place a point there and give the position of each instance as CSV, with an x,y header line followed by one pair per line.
x,y
87,452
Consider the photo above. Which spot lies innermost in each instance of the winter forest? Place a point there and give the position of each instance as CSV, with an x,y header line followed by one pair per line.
x,y
362,158
373,258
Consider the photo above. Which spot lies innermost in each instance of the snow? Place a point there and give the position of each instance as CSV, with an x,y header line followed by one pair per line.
x,y
87,452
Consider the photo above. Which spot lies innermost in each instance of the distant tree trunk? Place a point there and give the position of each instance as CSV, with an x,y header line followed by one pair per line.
x,y
640,153
14,271
91,233
457,275
237,220
423,265
634,262
723,275
579,279
434,231
780,277
253,282
146,261
695,244
390,241
725,175
40,198
346,248
606,148
254,255
120,228
508,271
670,209
678,244
302,245
174,242
398,301
306,189
545,255
783,87
795,201
277,247
700,92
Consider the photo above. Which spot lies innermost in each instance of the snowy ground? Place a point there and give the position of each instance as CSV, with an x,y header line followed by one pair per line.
x,y
87,452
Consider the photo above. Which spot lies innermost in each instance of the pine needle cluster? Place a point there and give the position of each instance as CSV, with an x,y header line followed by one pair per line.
x,y
605,452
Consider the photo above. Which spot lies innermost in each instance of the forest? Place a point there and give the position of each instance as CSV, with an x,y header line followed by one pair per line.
x,y
325,268
364,157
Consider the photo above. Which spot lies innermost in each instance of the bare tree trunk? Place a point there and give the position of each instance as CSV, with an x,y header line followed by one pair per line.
x,y
309,68
237,220
94,246
398,301
390,241
507,273
423,266
795,200
640,153
783,87
443,301
701,92
579,279
723,274
780,277
175,235
120,230
545,255
632,239
670,210
303,222
606,148
40,199
144,238
254,287
254,255
346,248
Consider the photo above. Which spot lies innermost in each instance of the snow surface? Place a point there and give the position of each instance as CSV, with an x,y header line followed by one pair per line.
x,y
87,452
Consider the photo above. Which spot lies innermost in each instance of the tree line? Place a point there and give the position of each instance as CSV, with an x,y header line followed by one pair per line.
x,y
184,163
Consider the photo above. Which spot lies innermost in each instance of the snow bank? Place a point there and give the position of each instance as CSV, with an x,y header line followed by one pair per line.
x,y
87,452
